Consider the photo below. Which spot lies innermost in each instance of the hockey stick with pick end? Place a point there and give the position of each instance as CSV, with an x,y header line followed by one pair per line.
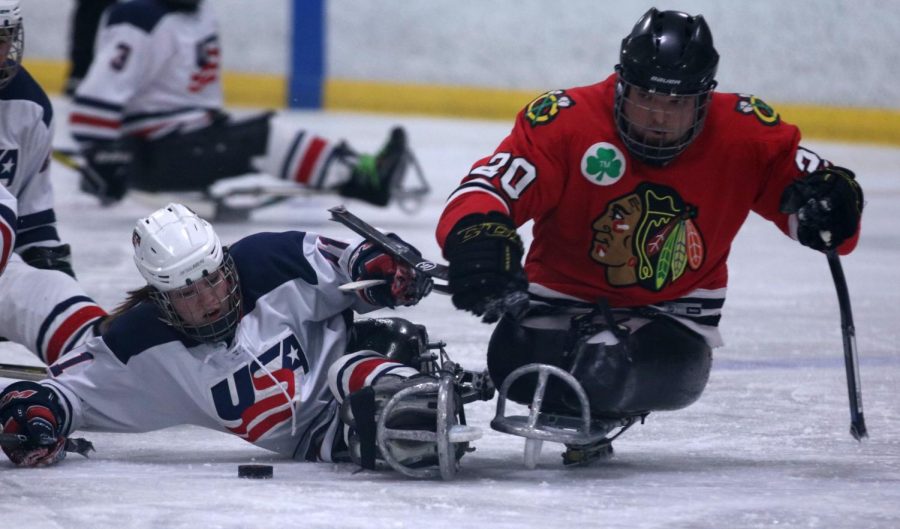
x,y
851,358
514,303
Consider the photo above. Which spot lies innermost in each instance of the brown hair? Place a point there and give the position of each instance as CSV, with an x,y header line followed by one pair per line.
x,y
133,298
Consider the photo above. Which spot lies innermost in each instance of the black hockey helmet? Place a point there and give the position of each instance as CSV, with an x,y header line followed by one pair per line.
x,y
667,53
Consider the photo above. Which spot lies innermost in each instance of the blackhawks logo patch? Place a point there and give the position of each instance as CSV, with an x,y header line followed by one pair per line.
x,y
546,107
648,238
750,104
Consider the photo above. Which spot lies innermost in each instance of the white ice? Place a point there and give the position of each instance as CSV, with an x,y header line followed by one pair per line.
x,y
767,445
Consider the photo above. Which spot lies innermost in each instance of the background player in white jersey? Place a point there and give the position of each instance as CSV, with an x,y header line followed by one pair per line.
x,y
148,115
7,226
248,339
45,309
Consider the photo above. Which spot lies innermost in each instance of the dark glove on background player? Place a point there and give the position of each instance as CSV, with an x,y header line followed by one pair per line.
x,y
484,253
828,204
105,172
403,285
50,258
32,410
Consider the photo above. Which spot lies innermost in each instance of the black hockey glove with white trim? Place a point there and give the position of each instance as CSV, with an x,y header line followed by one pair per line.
x,y
828,204
32,412
50,258
402,287
106,171
484,253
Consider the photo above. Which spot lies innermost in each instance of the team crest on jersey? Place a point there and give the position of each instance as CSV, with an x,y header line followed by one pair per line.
x,y
648,238
750,104
603,164
546,107
261,403
9,162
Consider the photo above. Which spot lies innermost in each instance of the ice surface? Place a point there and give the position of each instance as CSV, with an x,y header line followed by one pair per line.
x,y
766,446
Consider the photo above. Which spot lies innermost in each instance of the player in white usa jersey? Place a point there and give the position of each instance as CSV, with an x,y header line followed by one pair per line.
x,y
149,115
249,339
45,309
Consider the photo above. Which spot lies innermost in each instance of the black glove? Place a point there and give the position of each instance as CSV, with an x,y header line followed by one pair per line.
x,y
106,170
50,258
33,411
484,253
828,204
403,284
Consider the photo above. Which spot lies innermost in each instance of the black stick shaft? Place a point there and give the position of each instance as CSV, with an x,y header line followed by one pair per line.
x,y
851,357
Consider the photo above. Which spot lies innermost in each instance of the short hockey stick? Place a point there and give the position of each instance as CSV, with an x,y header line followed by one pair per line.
x,y
22,372
851,358
514,303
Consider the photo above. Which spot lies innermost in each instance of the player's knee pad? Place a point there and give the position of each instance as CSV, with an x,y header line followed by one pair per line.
x,y
195,159
661,366
396,338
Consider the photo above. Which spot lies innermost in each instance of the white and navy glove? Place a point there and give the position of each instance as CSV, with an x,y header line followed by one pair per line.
x,y
33,413
403,285
828,204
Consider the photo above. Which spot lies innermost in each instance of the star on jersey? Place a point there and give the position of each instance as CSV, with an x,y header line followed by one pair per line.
x,y
9,159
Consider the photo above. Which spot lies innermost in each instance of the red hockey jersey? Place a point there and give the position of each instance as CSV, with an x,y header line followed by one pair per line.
x,y
607,225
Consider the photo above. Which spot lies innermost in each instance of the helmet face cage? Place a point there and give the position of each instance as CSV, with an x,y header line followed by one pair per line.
x,y
657,127
223,326
666,75
12,46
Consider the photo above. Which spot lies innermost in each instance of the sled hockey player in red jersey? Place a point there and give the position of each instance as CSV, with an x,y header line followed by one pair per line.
x,y
149,115
255,339
637,186
45,309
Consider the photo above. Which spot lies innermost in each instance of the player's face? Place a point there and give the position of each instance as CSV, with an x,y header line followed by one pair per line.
x,y
658,120
203,301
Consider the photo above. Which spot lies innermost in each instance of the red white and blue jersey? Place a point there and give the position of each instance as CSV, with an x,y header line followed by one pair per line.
x,y
155,70
607,225
26,134
269,386
7,226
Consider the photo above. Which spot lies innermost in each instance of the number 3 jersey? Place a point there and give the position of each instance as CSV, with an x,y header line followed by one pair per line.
x,y
608,226
269,386
155,69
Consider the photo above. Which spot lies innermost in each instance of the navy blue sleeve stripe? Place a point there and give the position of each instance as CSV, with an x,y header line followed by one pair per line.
x,y
8,216
139,329
290,155
44,233
98,104
26,222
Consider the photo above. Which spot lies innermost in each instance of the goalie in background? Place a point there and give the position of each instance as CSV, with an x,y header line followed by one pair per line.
x,y
637,186
149,115
255,339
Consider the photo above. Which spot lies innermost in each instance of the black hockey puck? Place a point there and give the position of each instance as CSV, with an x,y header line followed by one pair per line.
x,y
255,471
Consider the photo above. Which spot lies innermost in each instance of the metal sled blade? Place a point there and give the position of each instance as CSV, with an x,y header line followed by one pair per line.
x,y
539,426
447,435
411,198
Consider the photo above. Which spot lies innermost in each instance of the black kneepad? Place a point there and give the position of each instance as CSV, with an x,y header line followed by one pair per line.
x,y
193,160
396,338
661,366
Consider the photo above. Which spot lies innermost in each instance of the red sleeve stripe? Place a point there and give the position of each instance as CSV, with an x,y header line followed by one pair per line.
x,y
84,316
309,160
7,236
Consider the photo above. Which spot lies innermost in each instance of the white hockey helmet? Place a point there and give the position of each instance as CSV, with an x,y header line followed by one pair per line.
x,y
173,247
12,40
175,251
